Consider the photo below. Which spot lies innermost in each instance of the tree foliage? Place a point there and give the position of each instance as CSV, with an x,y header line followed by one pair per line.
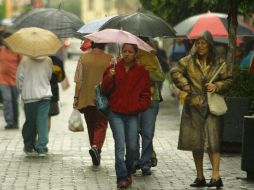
x,y
174,11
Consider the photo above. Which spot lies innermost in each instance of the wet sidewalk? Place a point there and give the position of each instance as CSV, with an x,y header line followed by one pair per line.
x,y
68,165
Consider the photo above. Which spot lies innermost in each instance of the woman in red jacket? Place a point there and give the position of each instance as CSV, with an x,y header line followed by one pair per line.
x,y
128,85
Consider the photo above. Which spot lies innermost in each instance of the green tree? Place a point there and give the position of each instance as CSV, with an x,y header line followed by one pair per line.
x,y
174,11
72,6
2,11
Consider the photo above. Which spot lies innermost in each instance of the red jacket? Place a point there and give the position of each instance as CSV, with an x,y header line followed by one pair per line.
x,y
131,93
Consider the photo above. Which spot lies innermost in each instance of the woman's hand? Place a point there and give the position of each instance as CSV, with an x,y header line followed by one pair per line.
x,y
210,87
75,102
112,72
186,88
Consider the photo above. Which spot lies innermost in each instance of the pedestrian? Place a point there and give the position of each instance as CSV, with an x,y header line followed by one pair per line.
x,y
199,129
147,119
58,75
162,57
128,86
163,60
176,51
89,73
33,81
9,62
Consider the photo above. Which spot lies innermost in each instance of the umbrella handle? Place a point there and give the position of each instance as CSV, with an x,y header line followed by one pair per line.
x,y
119,52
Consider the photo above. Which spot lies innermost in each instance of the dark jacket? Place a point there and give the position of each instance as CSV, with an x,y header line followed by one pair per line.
x,y
56,77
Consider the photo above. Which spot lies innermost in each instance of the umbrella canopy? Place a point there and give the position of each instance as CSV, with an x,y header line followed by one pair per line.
x,y
118,36
251,67
64,24
141,24
92,26
216,23
248,62
33,42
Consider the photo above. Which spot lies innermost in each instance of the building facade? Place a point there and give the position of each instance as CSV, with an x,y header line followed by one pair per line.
x,y
95,9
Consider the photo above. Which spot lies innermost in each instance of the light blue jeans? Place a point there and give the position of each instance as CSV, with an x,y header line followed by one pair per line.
x,y
125,132
147,120
36,122
10,101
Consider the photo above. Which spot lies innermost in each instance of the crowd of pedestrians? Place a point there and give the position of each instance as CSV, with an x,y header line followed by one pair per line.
x,y
133,85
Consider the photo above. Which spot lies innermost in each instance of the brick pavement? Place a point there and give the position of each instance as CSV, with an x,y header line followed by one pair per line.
x,y
68,165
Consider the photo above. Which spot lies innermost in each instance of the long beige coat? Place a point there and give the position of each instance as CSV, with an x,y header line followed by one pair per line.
x,y
199,129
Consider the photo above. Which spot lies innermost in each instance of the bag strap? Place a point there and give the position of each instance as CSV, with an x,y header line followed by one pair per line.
x,y
217,72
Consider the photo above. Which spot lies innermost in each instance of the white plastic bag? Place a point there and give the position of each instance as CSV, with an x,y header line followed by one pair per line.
x,y
75,121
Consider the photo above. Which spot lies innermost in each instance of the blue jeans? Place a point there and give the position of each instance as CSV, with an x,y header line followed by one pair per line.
x,y
147,121
36,114
10,101
125,132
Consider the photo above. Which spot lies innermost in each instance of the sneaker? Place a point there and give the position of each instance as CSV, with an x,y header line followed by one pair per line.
x,y
30,152
43,152
124,183
95,155
129,180
11,126
135,168
146,171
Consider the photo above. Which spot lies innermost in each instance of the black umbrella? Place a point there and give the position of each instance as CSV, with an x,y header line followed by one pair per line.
x,y
64,24
141,24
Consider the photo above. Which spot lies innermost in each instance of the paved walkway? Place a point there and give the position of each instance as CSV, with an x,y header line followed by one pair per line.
x,y
68,165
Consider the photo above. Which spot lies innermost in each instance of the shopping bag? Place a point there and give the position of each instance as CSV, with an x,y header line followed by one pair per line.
x,y
216,104
75,121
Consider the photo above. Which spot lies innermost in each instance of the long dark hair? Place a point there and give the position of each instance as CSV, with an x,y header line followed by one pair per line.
x,y
133,45
98,45
212,56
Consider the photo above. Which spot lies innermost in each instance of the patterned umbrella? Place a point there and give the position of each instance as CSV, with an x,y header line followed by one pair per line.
x,y
216,23
141,24
64,24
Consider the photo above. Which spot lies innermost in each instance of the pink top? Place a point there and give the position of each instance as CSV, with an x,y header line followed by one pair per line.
x,y
8,66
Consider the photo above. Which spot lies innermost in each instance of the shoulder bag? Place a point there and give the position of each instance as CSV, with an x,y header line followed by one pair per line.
x,y
101,99
216,102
